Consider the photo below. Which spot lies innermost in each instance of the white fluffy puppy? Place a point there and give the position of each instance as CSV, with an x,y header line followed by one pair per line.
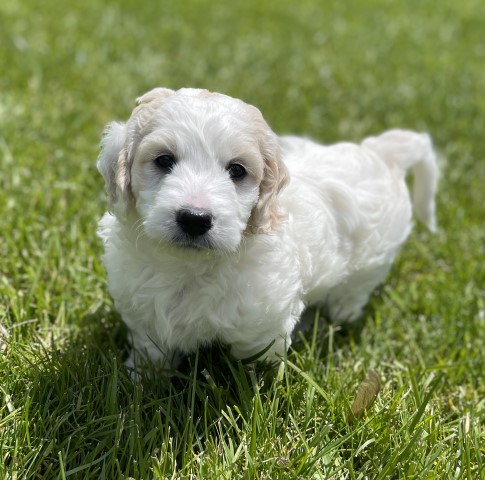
x,y
220,230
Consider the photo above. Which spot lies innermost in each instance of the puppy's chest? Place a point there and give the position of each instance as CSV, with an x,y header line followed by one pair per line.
x,y
191,300
188,297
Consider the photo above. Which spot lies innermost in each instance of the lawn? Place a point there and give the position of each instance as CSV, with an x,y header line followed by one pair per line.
x,y
332,70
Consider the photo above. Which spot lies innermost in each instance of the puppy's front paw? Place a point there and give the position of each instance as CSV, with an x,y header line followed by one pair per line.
x,y
131,367
142,366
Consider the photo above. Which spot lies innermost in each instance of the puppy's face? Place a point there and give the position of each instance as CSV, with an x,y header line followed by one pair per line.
x,y
198,168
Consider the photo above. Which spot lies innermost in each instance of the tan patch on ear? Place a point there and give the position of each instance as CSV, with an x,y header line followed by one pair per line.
x,y
155,94
123,174
266,214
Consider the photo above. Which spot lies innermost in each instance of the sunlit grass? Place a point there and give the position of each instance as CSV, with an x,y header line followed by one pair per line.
x,y
331,70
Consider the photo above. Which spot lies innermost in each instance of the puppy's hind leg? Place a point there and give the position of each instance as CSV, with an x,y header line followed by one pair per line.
x,y
346,301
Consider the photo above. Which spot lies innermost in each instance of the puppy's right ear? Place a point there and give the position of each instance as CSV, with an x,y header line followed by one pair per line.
x,y
118,145
112,162
158,93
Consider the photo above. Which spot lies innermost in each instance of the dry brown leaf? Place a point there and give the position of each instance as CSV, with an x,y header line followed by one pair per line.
x,y
365,396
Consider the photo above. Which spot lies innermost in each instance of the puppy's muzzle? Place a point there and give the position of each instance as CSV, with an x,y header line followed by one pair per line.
x,y
194,221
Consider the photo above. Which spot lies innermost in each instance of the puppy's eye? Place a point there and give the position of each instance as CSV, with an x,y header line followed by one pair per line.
x,y
165,162
236,171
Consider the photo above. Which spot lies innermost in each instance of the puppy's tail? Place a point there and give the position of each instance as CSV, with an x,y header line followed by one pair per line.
x,y
411,150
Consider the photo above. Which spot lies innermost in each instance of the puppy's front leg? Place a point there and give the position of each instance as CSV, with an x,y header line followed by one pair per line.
x,y
146,350
270,350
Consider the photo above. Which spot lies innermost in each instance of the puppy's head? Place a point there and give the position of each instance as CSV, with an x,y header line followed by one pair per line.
x,y
198,168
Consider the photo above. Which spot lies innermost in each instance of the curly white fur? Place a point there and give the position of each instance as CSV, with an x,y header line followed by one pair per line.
x,y
328,236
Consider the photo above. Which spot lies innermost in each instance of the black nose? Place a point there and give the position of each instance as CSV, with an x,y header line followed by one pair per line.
x,y
194,221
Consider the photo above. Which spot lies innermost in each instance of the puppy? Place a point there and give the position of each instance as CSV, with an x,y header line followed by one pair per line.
x,y
220,230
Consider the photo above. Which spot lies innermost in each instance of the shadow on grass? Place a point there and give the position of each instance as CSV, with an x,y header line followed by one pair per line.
x,y
93,419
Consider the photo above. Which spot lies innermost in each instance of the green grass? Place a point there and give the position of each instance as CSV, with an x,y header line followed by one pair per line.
x,y
332,70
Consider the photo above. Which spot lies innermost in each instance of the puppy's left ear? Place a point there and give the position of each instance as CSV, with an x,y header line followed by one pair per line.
x,y
113,164
266,215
